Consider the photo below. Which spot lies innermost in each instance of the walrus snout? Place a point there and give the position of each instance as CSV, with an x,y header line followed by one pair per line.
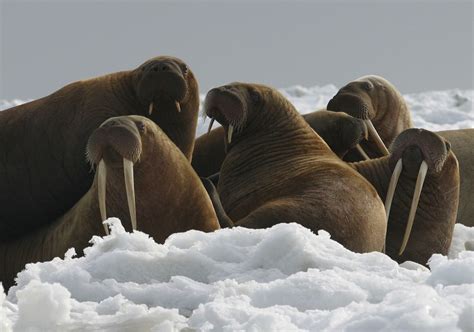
x,y
414,144
354,131
114,141
225,105
351,104
162,80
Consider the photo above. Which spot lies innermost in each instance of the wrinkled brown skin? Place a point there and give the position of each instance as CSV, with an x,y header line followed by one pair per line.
x,y
339,130
43,171
169,196
373,97
278,169
436,214
462,143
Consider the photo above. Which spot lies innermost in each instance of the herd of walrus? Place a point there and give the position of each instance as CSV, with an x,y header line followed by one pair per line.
x,y
123,145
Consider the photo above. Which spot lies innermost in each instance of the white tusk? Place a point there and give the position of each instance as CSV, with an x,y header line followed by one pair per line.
x,y
230,130
414,203
150,108
392,186
375,135
178,107
102,182
390,193
130,188
362,152
210,126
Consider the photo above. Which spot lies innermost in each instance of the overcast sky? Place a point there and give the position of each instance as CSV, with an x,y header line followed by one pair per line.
x,y
418,45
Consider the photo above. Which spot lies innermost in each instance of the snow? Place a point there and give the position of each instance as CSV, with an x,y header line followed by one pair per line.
x,y
281,278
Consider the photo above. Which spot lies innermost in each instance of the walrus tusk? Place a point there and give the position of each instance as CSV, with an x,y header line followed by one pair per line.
x,y
392,186
102,181
150,108
362,152
375,135
414,203
390,193
230,130
130,188
210,126
178,107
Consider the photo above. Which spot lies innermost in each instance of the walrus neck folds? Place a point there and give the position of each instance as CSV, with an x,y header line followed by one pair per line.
x,y
123,89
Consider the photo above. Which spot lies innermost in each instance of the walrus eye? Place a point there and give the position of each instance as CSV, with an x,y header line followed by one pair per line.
x,y
448,146
367,86
184,68
140,126
254,96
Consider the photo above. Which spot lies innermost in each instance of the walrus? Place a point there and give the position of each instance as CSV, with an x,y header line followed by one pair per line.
x,y
339,130
375,98
42,168
419,182
378,102
134,159
277,169
462,141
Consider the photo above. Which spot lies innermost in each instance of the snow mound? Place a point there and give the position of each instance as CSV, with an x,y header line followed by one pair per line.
x,y
281,278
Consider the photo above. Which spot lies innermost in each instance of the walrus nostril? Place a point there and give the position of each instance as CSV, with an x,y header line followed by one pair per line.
x,y
161,67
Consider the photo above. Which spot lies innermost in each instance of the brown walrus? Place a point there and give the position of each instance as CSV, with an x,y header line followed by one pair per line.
x,y
421,180
339,130
462,142
134,157
377,101
277,169
43,172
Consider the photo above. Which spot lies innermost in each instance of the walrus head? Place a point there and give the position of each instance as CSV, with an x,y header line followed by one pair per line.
x,y
117,144
237,106
163,82
361,99
420,153
341,131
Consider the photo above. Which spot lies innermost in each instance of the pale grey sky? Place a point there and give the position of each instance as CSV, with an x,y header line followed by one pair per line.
x,y
418,45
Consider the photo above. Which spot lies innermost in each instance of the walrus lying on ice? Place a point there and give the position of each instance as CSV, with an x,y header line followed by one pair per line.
x,y
277,169
43,171
263,179
377,100
134,159
419,183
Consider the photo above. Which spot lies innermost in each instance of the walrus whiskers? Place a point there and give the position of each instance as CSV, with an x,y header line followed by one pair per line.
x,y
130,188
102,181
414,203
375,135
